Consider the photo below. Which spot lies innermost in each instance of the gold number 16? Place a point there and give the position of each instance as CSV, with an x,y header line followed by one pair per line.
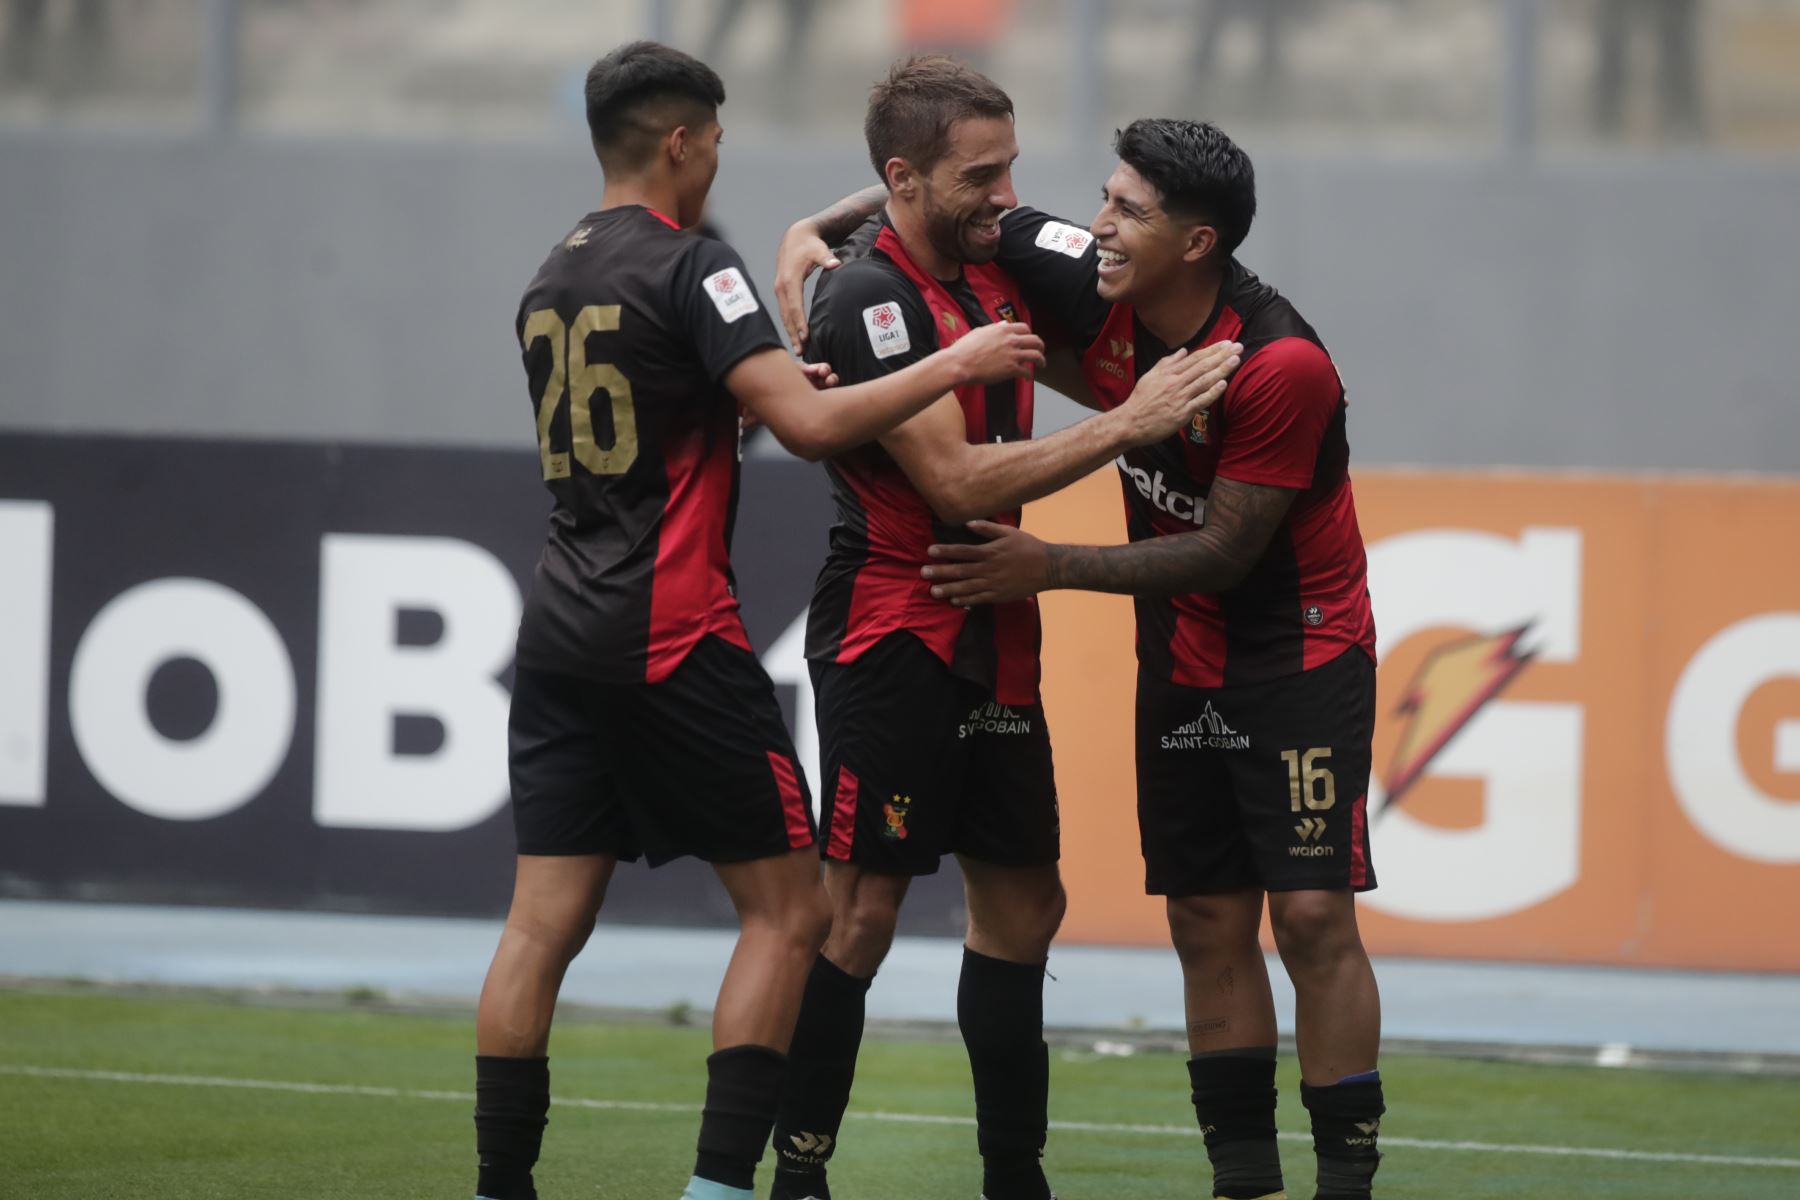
x,y
571,371
1303,778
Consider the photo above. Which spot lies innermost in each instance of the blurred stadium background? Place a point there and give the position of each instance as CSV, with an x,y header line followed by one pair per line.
x,y
267,493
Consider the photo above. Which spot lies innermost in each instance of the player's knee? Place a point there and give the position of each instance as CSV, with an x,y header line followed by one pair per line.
x,y
554,935
1052,906
1312,927
811,921
863,926
1205,927
1018,918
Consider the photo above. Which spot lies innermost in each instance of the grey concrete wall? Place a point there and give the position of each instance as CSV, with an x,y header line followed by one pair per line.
x,y
1617,314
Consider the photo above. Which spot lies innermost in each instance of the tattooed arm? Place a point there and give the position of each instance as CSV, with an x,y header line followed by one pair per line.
x,y
1240,520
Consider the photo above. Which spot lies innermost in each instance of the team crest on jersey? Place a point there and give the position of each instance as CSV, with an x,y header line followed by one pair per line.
x,y
1197,428
887,330
895,813
1064,239
1006,311
730,294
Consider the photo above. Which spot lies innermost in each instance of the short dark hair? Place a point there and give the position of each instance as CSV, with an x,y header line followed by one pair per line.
x,y
1199,172
912,110
641,91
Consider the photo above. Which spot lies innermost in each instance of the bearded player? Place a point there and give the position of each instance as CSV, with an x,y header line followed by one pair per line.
x,y
1256,683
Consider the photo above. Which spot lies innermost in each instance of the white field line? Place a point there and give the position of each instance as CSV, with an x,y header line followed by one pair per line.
x,y
896,1118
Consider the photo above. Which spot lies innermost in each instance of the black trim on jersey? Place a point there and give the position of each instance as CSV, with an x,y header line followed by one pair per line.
x,y
1066,308
1265,609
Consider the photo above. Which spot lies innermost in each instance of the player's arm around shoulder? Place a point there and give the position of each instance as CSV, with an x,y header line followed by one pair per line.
x,y
889,382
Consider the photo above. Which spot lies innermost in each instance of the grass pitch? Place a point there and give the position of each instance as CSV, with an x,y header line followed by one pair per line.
x,y
106,1096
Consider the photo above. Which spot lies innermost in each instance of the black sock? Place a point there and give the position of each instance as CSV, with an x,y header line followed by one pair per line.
x,y
1234,1098
743,1086
1346,1121
512,1096
821,1068
1000,1007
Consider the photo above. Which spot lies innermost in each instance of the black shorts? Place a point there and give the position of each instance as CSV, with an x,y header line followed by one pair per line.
x,y
698,764
918,764
1261,786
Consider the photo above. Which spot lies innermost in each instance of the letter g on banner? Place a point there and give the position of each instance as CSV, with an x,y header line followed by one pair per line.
x,y
1528,845
1705,768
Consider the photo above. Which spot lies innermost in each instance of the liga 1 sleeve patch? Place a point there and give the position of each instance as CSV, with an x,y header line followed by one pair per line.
x,y
1064,239
731,294
887,329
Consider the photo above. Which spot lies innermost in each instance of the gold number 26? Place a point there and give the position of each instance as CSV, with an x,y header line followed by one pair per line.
x,y
571,371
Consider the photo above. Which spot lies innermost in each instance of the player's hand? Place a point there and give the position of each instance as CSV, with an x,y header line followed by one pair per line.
x,y
998,352
1011,566
820,375
802,252
1177,389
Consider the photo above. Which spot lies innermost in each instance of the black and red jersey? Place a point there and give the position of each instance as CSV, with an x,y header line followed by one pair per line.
x,y
1281,423
877,313
627,332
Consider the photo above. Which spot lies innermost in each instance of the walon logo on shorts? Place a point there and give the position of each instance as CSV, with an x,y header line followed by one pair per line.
x,y
1208,731
994,718
1311,830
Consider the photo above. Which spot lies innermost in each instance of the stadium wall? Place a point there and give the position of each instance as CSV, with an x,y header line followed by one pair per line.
x,y
1616,312
270,674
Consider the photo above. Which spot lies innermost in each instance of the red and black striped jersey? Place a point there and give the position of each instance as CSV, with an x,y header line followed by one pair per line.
x,y
627,332
877,313
1281,423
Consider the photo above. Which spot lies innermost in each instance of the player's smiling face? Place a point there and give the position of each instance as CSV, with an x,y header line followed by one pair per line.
x,y
963,196
1141,246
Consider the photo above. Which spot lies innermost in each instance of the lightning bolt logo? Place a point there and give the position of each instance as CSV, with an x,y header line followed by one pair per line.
x,y
1450,688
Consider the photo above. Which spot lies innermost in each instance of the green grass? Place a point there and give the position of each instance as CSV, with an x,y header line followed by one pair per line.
x,y
96,1139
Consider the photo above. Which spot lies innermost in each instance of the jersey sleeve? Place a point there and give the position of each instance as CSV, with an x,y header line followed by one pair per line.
x,y
716,307
1276,412
868,321
1057,267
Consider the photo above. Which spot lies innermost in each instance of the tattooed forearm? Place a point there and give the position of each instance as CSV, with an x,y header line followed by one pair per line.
x,y
837,223
1240,520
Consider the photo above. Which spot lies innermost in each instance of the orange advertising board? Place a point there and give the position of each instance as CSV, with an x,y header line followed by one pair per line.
x,y
1588,747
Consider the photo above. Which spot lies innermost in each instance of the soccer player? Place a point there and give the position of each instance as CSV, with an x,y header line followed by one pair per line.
x,y
1256,684
641,723
932,734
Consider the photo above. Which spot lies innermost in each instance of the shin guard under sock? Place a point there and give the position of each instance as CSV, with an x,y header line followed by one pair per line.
x,y
1346,1122
1000,1008
512,1100
1234,1098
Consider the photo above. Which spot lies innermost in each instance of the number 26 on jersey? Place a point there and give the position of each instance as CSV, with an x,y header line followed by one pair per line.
x,y
573,375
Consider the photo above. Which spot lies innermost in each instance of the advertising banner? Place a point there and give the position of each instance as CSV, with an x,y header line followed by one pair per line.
x,y
276,675
1588,746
